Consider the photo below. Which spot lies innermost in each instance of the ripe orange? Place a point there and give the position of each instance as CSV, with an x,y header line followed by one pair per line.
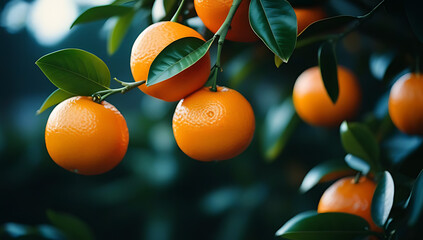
x,y
213,125
314,105
349,197
306,16
213,13
149,44
86,137
406,103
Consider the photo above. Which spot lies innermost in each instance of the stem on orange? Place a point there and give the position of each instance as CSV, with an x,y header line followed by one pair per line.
x,y
178,12
357,177
99,96
221,33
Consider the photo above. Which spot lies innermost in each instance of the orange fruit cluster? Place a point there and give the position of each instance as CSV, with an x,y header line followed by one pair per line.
x,y
206,124
90,138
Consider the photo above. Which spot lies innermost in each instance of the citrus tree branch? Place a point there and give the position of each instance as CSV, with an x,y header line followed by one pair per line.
x,y
101,95
221,34
361,20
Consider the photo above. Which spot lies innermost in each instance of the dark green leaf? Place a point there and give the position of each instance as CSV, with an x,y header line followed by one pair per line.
x,y
357,164
325,171
278,61
383,199
55,97
120,2
275,23
415,206
75,71
324,29
413,11
177,57
329,69
101,12
279,125
399,147
359,141
72,227
328,226
119,31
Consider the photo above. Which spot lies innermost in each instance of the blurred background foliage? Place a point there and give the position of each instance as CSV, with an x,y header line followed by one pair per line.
x,y
157,192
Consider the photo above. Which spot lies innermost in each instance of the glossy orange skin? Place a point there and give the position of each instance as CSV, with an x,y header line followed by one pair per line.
x,y
306,16
406,103
314,105
213,13
213,125
146,48
349,197
85,137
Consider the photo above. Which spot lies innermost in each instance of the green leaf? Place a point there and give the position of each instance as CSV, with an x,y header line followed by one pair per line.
x,y
120,2
119,31
328,226
72,227
399,147
55,97
275,22
279,125
329,69
413,12
415,207
358,140
101,12
357,164
383,199
75,71
326,171
278,61
324,29
177,57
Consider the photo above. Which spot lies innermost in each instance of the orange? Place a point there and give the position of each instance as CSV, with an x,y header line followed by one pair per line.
x,y
149,44
306,16
314,105
349,197
213,13
406,103
213,125
86,137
